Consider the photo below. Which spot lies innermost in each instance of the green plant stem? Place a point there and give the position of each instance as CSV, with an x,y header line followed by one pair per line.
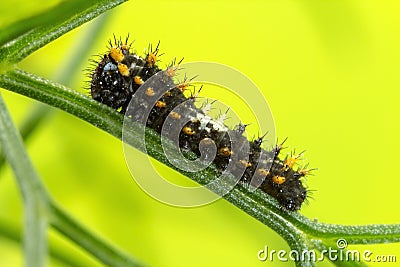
x,y
350,262
12,233
24,37
71,229
36,115
63,98
32,191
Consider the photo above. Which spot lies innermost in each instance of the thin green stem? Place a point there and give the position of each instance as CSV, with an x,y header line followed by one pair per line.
x,y
34,195
339,257
71,229
22,38
35,116
57,252
61,97
354,234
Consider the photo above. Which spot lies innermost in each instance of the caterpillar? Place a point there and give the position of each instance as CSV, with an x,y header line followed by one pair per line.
x,y
119,73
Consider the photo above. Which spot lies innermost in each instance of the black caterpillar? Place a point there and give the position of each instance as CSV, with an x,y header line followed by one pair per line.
x,y
119,74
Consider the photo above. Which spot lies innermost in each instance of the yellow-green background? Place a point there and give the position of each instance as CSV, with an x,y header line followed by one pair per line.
x,y
330,72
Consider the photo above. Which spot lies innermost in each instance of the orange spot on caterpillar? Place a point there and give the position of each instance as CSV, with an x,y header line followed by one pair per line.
x,y
125,47
161,104
150,91
278,179
138,80
123,69
175,115
185,83
305,171
225,151
187,130
116,54
291,161
151,57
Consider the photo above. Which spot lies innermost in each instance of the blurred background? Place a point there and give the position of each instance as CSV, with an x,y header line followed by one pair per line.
x,y
329,71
